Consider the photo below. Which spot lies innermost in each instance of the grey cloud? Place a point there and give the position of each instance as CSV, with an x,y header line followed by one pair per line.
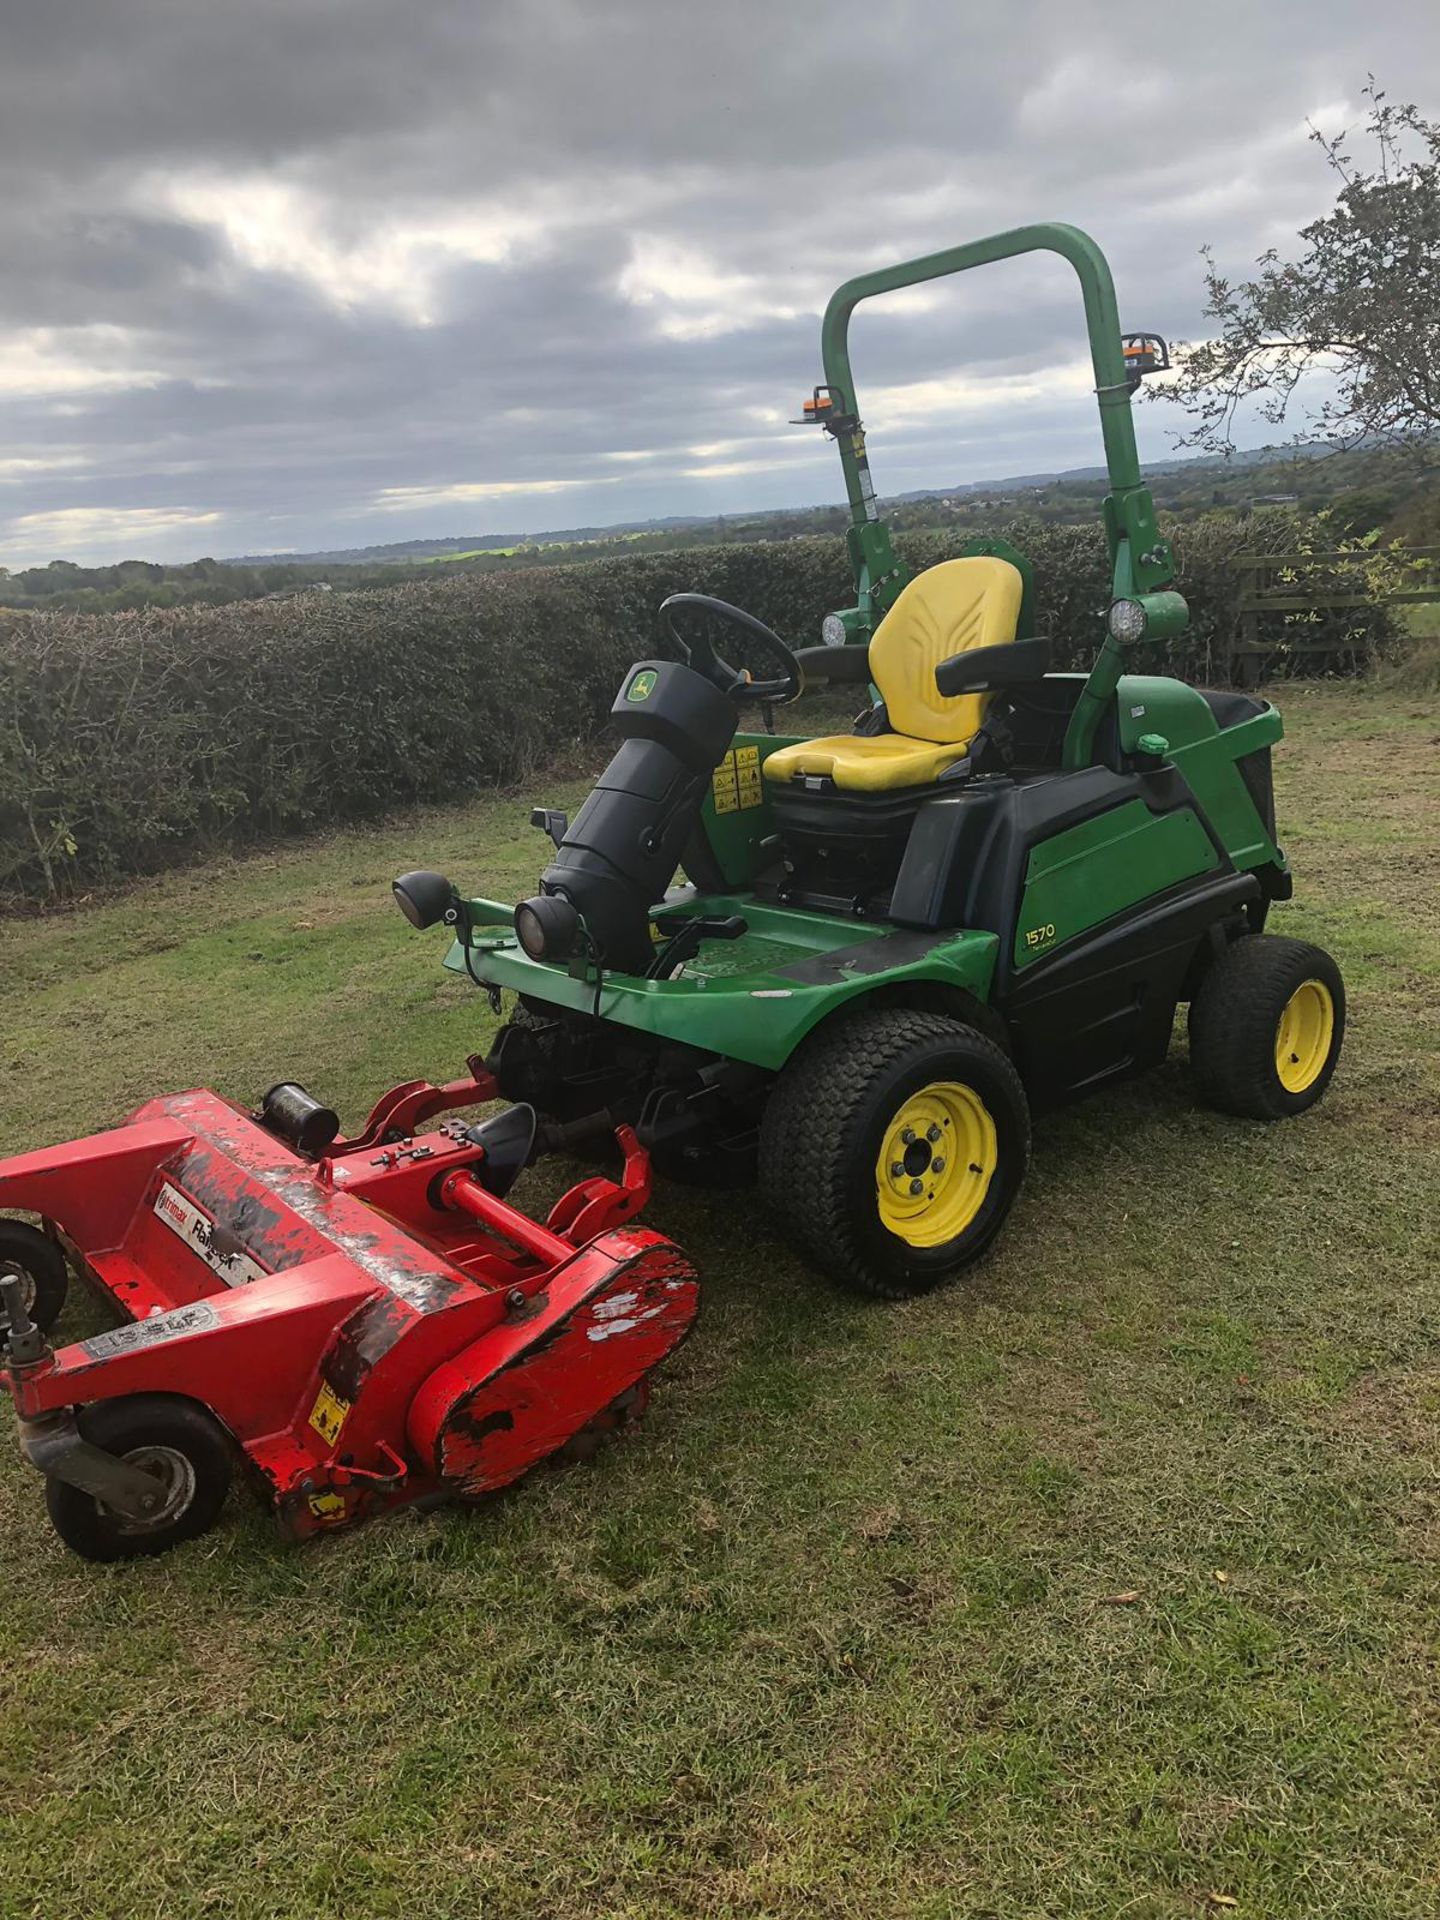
x,y
777,147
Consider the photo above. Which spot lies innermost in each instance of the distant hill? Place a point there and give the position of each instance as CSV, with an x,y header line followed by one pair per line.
x,y
474,543
1362,493
400,550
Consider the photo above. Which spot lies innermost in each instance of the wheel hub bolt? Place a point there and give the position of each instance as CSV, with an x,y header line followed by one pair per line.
x,y
917,1186
897,1168
908,1136
932,1133
937,1165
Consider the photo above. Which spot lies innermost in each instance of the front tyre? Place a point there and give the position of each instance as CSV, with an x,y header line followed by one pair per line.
x,y
1266,1027
44,1277
893,1147
180,1445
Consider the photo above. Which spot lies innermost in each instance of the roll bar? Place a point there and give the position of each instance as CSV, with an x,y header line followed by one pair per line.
x,y
1141,560
1101,317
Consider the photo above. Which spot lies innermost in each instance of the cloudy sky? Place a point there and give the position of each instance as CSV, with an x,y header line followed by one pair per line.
x,y
289,274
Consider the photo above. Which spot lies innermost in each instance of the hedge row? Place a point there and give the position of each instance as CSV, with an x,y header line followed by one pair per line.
x,y
129,739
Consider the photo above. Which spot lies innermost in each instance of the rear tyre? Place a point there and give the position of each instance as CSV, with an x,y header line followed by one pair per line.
x,y
176,1441
893,1148
1266,1027
44,1277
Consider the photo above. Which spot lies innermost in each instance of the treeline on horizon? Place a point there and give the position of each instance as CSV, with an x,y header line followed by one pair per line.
x,y
1359,495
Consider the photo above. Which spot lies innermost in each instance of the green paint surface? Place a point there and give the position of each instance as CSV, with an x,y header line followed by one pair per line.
x,y
737,998
1083,876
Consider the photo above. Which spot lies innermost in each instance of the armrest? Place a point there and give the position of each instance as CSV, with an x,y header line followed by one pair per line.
x,y
1016,663
846,666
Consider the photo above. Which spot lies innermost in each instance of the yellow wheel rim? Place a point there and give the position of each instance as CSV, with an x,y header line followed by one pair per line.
x,y
936,1163
1304,1036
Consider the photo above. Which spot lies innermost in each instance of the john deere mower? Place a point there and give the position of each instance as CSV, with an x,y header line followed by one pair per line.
x,y
855,965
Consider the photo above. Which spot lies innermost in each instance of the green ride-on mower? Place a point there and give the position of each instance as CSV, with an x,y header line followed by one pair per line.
x,y
891,945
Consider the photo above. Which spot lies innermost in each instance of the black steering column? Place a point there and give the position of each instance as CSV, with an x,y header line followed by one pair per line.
x,y
676,719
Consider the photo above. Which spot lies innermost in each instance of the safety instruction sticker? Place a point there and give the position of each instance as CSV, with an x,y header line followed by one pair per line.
x,y
197,1230
737,783
329,1413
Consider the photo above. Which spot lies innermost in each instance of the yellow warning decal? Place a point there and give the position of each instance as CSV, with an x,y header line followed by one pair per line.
x,y
327,1506
736,784
747,776
329,1413
722,785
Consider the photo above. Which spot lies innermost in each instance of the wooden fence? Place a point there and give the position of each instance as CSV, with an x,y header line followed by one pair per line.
x,y
1281,595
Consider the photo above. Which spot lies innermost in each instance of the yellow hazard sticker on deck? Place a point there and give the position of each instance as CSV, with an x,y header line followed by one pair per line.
x,y
329,1413
327,1506
736,785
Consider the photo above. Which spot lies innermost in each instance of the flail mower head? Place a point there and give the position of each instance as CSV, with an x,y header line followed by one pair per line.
x,y
362,1322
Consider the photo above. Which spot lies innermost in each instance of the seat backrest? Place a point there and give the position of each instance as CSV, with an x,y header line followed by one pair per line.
x,y
946,610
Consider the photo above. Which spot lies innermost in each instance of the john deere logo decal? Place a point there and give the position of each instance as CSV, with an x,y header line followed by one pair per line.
x,y
642,686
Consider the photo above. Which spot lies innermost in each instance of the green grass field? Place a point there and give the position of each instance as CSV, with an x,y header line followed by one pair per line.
x,y
1103,1586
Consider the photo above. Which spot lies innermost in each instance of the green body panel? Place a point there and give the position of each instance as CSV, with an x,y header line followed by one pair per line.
x,y
1087,874
738,819
1151,703
735,999
1206,756
736,812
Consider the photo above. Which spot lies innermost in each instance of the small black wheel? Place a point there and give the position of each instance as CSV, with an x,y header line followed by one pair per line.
x,y
1266,1027
579,1450
41,1266
893,1148
186,1450
623,1411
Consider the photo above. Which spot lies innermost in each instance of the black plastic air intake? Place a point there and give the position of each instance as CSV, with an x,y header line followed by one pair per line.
x,y
620,852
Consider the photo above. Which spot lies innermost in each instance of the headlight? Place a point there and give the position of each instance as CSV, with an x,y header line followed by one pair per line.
x,y
424,898
1128,621
832,630
546,927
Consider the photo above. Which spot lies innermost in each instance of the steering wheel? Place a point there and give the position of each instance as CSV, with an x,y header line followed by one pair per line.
x,y
698,652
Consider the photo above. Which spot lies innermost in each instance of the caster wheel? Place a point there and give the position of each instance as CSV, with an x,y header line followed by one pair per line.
x,y
179,1445
40,1264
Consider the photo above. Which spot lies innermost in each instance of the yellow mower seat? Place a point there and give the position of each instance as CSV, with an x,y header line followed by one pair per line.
x,y
944,611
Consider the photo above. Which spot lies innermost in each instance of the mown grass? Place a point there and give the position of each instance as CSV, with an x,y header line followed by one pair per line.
x,y
1104,1586
1414,666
